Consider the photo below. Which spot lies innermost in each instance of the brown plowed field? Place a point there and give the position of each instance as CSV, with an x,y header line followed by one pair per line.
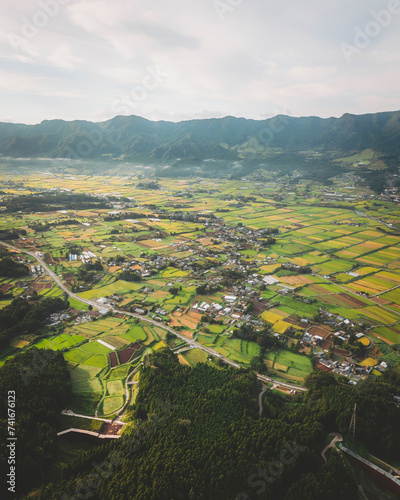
x,y
113,359
41,286
178,319
187,333
183,361
49,259
292,320
322,331
319,290
296,280
322,367
194,315
352,301
125,355
325,345
259,306
380,301
341,352
6,287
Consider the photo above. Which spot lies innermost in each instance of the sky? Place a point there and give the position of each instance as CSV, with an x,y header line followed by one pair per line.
x,y
184,59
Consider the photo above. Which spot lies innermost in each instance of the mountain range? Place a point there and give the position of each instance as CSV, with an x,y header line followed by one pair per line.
x,y
137,139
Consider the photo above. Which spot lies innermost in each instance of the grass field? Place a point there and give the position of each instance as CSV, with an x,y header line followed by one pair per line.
x,y
115,388
88,385
134,334
297,365
82,372
195,356
121,372
112,404
96,360
76,355
94,347
59,342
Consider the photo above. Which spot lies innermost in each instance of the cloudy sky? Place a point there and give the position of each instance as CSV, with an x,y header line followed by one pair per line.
x,y
182,59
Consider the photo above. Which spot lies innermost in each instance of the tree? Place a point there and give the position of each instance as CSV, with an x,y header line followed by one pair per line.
x,y
201,289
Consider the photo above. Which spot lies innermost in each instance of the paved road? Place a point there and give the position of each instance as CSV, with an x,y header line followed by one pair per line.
x,y
96,305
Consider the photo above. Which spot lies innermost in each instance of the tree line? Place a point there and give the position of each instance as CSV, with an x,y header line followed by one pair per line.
x,y
22,316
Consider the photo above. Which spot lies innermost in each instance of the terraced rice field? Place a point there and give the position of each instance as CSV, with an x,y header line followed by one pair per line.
x,y
59,342
112,404
295,366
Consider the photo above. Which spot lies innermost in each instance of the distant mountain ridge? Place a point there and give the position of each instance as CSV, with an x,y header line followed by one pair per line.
x,y
137,139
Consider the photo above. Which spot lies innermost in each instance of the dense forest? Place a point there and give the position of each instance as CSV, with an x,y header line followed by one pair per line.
x,y
40,381
22,316
196,433
50,202
12,269
9,234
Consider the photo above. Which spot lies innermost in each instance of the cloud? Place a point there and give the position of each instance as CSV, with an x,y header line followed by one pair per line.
x,y
312,74
63,57
257,58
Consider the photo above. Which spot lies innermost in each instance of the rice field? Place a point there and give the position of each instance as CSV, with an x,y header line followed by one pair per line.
x,y
295,365
195,356
115,388
111,404
59,342
332,241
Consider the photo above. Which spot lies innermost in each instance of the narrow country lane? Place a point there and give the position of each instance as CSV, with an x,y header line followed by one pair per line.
x,y
336,438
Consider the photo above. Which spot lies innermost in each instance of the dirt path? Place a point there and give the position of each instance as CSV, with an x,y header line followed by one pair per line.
x,y
70,413
336,438
260,406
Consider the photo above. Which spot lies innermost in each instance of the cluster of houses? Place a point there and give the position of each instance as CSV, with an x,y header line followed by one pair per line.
x,y
57,318
35,270
234,309
348,368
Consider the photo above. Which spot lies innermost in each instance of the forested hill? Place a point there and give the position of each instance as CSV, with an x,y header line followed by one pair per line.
x,y
136,139
198,435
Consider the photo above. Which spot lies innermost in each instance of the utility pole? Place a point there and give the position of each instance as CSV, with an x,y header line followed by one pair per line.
x,y
352,427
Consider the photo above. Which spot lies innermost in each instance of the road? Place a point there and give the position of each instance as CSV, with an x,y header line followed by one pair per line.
x,y
362,214
89,433
95,305
336,438
260,406
121,411
70,413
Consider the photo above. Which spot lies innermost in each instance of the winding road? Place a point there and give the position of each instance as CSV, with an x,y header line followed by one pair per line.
x,y
260,405
336,438
95,305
